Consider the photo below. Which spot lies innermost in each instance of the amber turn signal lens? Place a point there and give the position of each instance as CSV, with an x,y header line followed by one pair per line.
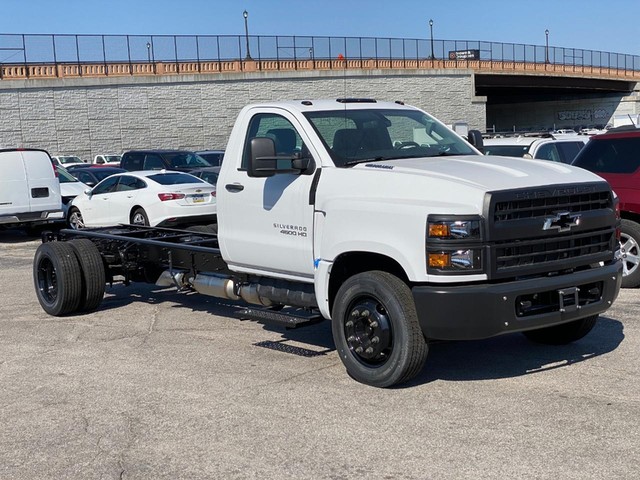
x,y
439,260
438,230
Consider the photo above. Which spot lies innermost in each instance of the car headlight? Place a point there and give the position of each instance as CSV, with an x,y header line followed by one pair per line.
x,y
454,245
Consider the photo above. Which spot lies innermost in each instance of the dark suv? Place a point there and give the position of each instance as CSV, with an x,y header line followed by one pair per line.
x,y
180,160
615,156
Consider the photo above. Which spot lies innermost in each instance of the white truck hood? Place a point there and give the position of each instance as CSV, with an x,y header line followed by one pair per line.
x,y
486,173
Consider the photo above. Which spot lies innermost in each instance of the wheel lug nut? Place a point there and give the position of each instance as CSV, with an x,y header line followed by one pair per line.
x,y
373,324
349,324
359,350
375,340
365,313
355,313
369,350
351,338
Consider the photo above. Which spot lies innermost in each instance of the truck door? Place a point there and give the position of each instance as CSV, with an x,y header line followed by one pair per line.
x,y
268,222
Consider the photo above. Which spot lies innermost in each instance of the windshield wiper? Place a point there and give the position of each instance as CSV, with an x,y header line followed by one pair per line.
x,y
351,163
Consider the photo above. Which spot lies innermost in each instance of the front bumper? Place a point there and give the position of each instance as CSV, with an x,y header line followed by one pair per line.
x,y
478,311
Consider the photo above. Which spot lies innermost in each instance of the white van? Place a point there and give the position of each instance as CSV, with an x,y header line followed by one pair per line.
x,y
29,188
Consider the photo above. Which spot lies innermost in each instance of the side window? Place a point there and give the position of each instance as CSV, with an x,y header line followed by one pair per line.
x,y
84,177
285,137
569,150
133,161
106,186
548,151
153,162
128,183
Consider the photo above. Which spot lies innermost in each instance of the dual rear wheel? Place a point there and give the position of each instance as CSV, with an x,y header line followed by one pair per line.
x,y
69,277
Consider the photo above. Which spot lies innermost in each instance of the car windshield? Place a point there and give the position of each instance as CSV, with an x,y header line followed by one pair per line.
x,y
112,158
177,160
64,176
101,174
174,178
506,150
64,160
356,136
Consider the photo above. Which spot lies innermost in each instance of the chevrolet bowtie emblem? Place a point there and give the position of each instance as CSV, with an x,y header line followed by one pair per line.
x,y
563,221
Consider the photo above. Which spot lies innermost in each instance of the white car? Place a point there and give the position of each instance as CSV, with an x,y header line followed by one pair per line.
x,y
66,160
148,197
70,188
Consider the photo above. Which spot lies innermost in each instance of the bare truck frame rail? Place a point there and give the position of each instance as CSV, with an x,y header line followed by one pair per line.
x,y
72,268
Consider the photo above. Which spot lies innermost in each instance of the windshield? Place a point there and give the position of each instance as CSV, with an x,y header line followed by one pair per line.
x,y
174,178
64,176
506,150
64,160
192,160
355,136
112,158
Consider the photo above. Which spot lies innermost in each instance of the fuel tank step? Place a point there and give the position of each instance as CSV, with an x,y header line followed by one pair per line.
x,y
281,319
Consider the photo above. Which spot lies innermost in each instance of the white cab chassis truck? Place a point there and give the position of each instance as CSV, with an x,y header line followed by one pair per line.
x,y
376,217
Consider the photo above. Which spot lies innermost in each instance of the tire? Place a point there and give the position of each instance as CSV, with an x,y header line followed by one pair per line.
x,y
630,253
57,278
93,274
376,331
139,217
74,219
563,334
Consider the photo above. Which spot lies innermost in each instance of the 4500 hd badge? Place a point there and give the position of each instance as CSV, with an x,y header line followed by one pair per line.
x,y
295,230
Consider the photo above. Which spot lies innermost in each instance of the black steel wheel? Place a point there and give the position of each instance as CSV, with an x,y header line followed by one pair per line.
x,y
563,334
57,278
630,253
93,273
376,331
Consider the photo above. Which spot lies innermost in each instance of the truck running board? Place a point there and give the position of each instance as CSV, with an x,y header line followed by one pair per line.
x,y
277,318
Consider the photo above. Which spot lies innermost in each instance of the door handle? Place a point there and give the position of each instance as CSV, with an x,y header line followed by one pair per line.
x,y
234,187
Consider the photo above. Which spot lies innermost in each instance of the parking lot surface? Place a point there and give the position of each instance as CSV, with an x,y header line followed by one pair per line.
x,y
165,385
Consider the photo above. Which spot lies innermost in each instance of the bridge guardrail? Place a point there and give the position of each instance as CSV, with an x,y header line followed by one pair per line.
x,y
50,56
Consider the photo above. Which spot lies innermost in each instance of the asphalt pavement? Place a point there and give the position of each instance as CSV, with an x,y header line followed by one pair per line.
x,y
164,385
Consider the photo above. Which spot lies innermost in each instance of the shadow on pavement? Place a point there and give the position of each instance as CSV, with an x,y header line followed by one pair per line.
x,y
513,355
505,356
24,235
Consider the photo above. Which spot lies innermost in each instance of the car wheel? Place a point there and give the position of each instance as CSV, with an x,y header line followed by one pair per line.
x,y
563,334
139,217
630,253
75,219
57,278
376,331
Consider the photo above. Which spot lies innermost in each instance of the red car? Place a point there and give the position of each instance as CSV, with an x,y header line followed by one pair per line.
x,y
615,156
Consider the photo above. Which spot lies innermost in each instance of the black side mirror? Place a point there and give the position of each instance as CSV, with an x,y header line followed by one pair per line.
x,y
262,157
263,161
475,139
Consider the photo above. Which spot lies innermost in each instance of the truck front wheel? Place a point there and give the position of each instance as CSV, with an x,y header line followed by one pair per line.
x,y
376,331
563,334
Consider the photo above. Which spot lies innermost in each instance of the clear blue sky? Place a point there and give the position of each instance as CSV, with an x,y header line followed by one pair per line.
x,y
611,26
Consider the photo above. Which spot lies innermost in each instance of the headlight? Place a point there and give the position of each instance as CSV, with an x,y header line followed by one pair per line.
x,y
454,245
454,229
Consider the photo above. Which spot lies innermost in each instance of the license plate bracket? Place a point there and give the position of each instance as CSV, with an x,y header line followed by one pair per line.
x,y
569,299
